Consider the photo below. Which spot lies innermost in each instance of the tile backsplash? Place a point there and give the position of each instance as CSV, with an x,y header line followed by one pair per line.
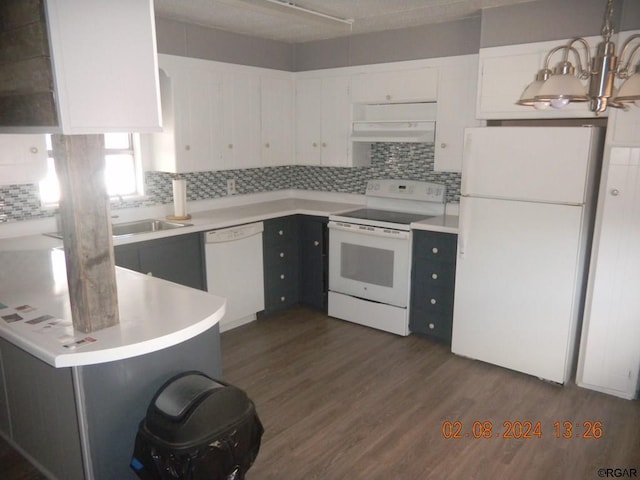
x,y
411,161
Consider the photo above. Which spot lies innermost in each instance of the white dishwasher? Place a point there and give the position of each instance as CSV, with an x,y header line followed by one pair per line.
x,y
234,270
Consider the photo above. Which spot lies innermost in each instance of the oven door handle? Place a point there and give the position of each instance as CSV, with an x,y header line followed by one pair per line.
x,y
371,231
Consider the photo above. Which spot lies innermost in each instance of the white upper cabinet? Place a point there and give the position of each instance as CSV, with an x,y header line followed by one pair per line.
x,y
504,73
277,121
323,121
23,159
456,110
241,121
104,65
220,117
193,127
414,85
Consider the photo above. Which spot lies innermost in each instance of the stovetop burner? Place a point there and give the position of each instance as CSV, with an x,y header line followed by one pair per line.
x,y
388,216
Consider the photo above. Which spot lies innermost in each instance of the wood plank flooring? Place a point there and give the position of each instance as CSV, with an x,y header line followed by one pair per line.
x,y
341,401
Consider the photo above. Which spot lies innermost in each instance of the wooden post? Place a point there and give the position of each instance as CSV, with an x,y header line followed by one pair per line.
x,y
86,225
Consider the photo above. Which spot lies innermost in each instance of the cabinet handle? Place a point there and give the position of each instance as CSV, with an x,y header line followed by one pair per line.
x,y
433,301
443,145
280,232
431,326
388,97
230,145
267,145
324,144
316,243
281,254
282,276
282,299
33,149
187,147
435,250
149,274
314,144
615,192
434,276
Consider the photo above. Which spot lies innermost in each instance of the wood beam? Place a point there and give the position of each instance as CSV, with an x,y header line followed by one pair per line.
x,y
85,215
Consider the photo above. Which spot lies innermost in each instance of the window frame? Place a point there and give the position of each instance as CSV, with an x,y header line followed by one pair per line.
x,y
134,151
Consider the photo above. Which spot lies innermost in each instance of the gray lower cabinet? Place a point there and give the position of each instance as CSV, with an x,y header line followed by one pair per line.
x,y
281,265
295,262
314,261
432,284
57,415
179,259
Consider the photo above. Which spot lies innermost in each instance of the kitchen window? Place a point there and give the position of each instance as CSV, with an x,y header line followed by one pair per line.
x,y
123,169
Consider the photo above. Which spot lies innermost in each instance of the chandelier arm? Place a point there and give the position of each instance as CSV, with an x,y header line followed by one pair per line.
x,y
624,66
584,72
565,56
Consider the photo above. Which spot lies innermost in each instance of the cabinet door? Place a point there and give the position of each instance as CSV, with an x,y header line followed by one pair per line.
x,y
456,111
191,106
417,85
178,259
23,159
277,121
241,126
313,260
609,354
308,121
336,122
106,78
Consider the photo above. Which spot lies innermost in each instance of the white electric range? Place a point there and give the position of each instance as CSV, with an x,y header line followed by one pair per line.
x,y
370,253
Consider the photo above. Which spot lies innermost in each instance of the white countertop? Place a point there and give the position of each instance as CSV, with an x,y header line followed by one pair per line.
x,y
154,314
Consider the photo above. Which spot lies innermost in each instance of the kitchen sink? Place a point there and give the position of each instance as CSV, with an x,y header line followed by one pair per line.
x,y
145,226
139,226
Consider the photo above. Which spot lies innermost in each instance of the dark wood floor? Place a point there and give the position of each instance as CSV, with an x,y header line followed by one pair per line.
x,y
340,401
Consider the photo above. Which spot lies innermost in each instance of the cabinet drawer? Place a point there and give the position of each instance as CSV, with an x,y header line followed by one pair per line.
x,y
281,275
280,230
435,301
431,324
276,257
280,297
434,247
429,275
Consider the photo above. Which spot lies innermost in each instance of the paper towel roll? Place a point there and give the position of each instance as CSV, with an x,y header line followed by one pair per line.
x,y
180,198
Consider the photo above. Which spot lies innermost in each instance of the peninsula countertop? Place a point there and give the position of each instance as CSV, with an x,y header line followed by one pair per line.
x,y
35,312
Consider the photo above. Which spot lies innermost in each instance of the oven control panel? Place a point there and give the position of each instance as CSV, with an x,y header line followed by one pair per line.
x,y
407,189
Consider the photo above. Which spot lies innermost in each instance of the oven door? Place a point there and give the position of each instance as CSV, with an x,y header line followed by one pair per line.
x,y
369,262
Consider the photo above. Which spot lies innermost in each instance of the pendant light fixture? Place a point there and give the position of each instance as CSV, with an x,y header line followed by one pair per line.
x,y
564,84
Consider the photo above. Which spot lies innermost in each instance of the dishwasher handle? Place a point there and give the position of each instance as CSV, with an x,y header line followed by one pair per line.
x,y
233,234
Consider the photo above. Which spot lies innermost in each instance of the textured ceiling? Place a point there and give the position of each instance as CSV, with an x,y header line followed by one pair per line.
x,y
257,18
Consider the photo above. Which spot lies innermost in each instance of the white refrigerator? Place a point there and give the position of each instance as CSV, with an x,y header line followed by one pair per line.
x,y
526,214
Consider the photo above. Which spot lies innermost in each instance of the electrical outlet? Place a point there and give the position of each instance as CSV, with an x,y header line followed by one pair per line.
x,y
231,186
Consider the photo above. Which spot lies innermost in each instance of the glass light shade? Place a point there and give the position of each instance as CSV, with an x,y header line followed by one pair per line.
x,y
528,95
630,90
562,88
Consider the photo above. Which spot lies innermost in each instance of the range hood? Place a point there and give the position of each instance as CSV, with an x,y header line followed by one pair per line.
x,y
384,131
399,122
